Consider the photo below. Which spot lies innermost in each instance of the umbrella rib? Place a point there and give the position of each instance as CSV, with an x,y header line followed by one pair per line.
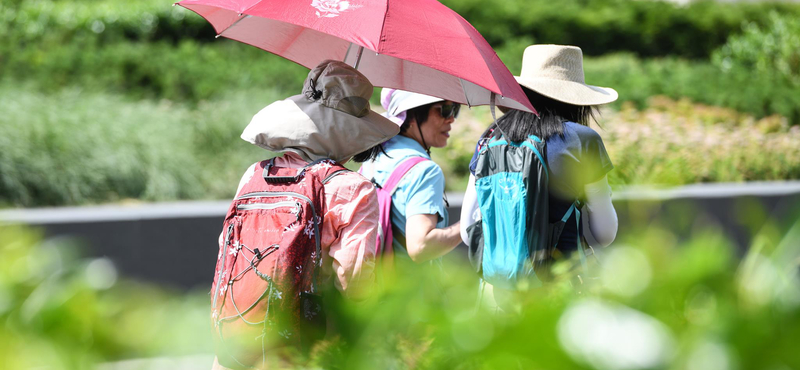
x,y
466,96
232,24
240,17
383,27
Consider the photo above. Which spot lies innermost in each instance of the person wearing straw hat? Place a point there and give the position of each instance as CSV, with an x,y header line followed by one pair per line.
x,y
419,214
329,123
553,79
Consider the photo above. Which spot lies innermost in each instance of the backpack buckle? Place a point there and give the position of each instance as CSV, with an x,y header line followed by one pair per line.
x,y
281,179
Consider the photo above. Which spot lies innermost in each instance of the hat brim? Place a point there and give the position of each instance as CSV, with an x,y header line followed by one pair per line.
x,y
316,131
410,100
570,92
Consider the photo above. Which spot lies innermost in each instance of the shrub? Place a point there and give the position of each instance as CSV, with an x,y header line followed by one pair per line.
x,y
768,50
746,91
673,142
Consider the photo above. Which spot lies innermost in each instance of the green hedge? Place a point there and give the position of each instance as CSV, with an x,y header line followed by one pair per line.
x,y
740,87
770,50
186,71
647,28
191,71
637,80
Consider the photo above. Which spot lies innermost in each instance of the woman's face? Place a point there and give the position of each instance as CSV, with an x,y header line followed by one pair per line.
x,y
436,130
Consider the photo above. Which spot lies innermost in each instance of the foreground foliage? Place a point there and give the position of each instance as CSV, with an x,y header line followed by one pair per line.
x,y
654,303
61,311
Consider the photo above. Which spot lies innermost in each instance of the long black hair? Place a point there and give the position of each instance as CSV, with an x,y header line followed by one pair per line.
x,y
369,154
552,115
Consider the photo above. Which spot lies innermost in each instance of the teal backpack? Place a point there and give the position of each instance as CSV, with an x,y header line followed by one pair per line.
x,y
512,239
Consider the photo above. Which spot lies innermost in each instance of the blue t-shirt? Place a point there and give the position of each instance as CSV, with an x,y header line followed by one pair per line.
x,y
420,191
576,158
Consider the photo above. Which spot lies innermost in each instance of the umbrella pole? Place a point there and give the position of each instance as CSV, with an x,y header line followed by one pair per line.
x,y
492,105
358,56
359,53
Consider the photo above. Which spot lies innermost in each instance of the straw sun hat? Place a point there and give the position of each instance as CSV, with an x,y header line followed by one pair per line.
x,y
556,71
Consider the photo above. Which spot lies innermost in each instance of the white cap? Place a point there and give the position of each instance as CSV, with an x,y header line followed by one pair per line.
x,y
397,102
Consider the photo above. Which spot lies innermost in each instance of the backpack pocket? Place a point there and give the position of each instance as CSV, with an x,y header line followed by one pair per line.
x,y
503,202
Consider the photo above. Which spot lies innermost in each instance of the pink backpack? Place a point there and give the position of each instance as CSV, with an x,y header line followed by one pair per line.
x,y
383,244
265,292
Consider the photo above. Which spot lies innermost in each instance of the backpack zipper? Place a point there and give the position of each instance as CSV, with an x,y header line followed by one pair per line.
x,y
252,206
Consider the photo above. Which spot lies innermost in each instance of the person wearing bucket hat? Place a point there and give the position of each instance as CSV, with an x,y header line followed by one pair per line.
x,y
419,217
329,123
553,79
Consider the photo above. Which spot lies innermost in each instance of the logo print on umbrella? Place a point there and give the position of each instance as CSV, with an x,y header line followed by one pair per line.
x,y
332,8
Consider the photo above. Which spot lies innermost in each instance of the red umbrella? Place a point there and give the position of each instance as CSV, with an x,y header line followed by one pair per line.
x,y
415,45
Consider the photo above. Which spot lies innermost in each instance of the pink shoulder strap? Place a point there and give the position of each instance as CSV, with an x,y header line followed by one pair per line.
x,y
400,171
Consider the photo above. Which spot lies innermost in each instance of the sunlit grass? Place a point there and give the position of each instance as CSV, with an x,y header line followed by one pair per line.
x,y
77,147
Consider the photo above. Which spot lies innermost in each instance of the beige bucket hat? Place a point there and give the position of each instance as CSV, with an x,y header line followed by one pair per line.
x,y
556,71
330,119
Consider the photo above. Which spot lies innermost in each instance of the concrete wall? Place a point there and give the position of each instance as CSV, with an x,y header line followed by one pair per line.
x,y
176,243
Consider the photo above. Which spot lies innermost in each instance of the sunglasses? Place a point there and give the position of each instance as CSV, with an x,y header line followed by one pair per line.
x,y
449,110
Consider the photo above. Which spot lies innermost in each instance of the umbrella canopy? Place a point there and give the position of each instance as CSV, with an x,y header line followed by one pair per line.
x,y
415,45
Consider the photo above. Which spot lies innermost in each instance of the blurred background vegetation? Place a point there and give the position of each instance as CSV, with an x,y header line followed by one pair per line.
x,y
151,82
105,101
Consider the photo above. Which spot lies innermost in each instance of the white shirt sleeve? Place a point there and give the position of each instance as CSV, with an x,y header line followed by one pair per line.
x,y
599,216
470,213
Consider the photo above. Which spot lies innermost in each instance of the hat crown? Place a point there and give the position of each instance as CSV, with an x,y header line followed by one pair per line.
x,y
337,85
558,62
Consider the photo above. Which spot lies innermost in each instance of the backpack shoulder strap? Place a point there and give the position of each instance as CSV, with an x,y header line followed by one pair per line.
x,y
574,208
333,174
401,170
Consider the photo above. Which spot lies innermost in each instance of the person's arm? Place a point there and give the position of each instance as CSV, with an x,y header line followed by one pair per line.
x,y
469,209
353,213
424,207
599,216
425,242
